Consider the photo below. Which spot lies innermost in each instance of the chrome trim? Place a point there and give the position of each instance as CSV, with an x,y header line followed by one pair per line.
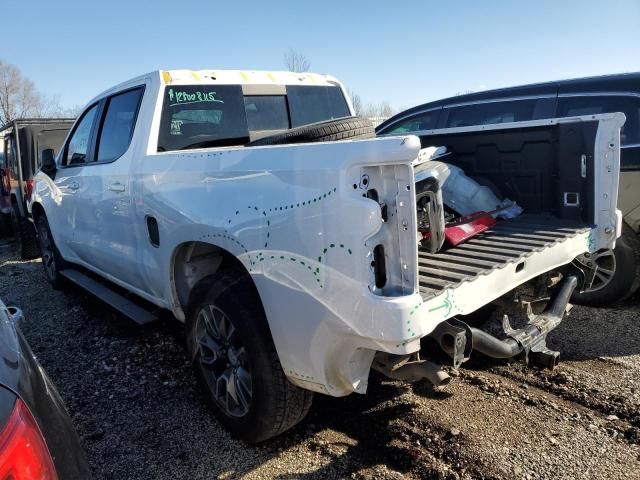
x,y
477,102
599,94
499,100
630,145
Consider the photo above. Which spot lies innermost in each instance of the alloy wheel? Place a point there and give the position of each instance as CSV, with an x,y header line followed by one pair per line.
x,y
604,263
46,247
223,361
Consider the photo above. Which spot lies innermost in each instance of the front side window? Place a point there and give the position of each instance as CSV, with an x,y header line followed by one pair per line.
x,y
311,104
592,105
199,116
422,121
78,147
117,127
490,113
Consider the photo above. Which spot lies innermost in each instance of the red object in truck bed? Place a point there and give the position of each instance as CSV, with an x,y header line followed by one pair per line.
x,y
469,227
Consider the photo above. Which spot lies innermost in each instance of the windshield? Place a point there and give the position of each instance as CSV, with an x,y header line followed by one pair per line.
x,y
200,116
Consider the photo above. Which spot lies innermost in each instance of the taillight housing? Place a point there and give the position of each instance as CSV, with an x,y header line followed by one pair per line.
x,y
23,452
28,189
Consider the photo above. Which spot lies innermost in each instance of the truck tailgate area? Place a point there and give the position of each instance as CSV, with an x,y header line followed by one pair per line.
x,y
509,241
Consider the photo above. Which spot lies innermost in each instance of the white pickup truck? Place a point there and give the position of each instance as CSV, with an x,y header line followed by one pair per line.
x,y
264,215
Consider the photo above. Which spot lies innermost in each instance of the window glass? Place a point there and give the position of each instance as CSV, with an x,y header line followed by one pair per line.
x,y
78,146
266,112
199,116
117,127
422,121
311,104
591,105
490,113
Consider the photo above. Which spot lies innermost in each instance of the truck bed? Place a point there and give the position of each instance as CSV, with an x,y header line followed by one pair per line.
x,y
509,241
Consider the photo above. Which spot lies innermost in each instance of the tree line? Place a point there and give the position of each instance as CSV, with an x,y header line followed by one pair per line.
x,y
19,98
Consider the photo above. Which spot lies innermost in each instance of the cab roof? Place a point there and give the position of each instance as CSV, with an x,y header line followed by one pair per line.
x,y
248,77
227,77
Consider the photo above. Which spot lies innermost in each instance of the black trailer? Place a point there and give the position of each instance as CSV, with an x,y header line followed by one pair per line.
x,y
24,140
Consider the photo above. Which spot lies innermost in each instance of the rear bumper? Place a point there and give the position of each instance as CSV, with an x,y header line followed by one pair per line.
x,y
342,348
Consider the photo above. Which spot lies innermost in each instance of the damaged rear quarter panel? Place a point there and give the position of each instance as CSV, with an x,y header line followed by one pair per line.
x,y
292,216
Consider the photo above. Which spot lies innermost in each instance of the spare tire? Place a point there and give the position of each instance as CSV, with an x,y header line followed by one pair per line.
x,y
347,128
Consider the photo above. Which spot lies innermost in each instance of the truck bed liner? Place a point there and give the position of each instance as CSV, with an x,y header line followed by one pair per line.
x,y
509,241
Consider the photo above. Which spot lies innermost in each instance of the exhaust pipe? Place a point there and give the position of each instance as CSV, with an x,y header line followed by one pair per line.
x,y
530,340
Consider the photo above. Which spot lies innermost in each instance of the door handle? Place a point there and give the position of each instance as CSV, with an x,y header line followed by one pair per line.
x,y
116,187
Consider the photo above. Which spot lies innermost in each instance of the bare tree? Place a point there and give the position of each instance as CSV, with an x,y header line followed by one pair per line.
x,y
19,96
356,102
296,61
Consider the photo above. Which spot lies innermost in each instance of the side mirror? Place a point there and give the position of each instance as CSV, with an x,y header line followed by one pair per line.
x,y
48,161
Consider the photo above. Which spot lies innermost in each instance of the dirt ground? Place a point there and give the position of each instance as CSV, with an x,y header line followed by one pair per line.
x,y
140,414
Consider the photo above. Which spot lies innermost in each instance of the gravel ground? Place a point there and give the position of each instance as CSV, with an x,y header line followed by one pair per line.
x,y
140,414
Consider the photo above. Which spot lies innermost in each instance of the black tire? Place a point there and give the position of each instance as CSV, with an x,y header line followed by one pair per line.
x,y
5,225
24,233
625,280
52,262
267,404
348,128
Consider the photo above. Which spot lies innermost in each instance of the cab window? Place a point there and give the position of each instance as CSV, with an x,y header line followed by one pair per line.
x,y
78,147
199,116
117,127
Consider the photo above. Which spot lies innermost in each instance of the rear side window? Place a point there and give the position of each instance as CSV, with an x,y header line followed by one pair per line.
x,y
199,116
490,113
422,121
311,104
591,105
117,126
78,146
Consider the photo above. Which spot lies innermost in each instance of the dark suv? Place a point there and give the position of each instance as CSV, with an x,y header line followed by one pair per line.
x,y
25,139
618,272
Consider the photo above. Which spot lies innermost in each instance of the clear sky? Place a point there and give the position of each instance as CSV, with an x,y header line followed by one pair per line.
x,y
404,52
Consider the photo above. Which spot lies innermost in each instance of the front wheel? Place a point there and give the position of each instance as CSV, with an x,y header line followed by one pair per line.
x,y
617,274
234,357
52,262
25,235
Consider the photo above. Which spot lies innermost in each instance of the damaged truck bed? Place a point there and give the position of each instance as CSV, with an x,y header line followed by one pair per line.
x,y
561,174
506,246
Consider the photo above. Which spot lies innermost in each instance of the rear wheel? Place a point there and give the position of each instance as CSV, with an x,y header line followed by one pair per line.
x,y
617,274
234,357
25,235
52,262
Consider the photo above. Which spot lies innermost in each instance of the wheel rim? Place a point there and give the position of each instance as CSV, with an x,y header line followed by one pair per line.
x,y
48,257
604,262
223,361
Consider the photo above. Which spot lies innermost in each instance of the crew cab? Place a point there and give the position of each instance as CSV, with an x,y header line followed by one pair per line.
x,y
258,210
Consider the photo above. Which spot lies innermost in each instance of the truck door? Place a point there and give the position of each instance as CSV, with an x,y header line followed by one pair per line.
x,y
105,237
